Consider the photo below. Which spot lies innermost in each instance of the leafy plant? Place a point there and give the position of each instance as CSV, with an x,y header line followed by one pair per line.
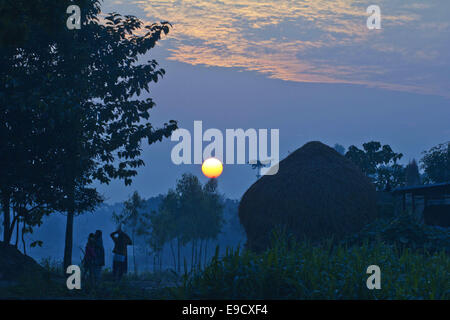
x,y
379,163
404,231
436,164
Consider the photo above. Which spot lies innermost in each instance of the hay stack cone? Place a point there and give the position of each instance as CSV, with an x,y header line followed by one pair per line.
x,y
316,194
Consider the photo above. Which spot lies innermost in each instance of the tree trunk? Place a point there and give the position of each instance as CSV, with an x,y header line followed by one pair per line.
x,y
17,234
179,261
192,256
200,254
206,251
173,255
23,239
69,231
147,264
196,253
134,255
69,240
6,219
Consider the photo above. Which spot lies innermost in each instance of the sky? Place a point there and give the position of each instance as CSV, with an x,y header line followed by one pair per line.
x,y
310,68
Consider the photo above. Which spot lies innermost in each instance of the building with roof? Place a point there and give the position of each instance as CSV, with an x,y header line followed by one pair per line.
x,y
432,200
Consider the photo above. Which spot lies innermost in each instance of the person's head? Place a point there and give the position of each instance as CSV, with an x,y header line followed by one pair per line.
x,y
91,237
98,234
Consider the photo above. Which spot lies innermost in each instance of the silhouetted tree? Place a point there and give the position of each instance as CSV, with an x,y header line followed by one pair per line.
x,y
412,175
172,221
339,148
109,83
436,163
191,213
379,163
212,221
70,108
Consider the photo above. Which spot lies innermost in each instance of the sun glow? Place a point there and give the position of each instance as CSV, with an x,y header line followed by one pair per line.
x,y
212,167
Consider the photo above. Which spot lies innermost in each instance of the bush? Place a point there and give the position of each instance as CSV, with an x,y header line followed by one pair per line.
x,y
290,270
404,231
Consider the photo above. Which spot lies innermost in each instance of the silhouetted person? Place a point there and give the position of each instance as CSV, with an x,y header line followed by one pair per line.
x,y
99,256
120,260
89,257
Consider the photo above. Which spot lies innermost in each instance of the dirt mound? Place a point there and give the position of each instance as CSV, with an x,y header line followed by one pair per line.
x,y
316,194
14,266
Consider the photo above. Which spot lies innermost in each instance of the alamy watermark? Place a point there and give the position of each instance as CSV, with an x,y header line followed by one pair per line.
x,y
235,142
74,20
74,279
374,281
374,20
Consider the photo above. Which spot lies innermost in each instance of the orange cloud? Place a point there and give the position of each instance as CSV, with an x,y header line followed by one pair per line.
x,y
297,40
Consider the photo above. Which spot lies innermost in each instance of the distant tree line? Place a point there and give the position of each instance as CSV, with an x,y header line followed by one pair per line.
x,y
191,213
380,163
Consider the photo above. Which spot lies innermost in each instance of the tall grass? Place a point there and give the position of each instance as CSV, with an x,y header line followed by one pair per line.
x,y
52,265
291,270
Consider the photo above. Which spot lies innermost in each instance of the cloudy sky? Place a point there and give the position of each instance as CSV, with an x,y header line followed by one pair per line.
x,y
310,68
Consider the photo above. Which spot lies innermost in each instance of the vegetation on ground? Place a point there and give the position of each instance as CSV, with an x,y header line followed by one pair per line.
x,y
292,270
404,231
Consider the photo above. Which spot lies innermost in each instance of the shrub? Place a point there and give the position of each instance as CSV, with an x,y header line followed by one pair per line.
x,y
404,231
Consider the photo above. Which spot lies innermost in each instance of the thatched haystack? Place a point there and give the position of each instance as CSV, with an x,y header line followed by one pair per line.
x,y
316,194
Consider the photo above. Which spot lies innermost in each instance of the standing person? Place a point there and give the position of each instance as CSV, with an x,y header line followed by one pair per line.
x,y
120,260
89,257
99,256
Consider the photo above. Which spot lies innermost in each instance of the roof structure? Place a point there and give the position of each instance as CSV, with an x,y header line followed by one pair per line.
x,y
425,190
437,191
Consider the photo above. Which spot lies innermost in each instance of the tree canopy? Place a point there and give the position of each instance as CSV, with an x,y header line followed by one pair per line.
x,y
72,110
436,163
412,175
379,163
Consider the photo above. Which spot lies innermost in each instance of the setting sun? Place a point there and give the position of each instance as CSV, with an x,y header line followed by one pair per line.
x,y
212,168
